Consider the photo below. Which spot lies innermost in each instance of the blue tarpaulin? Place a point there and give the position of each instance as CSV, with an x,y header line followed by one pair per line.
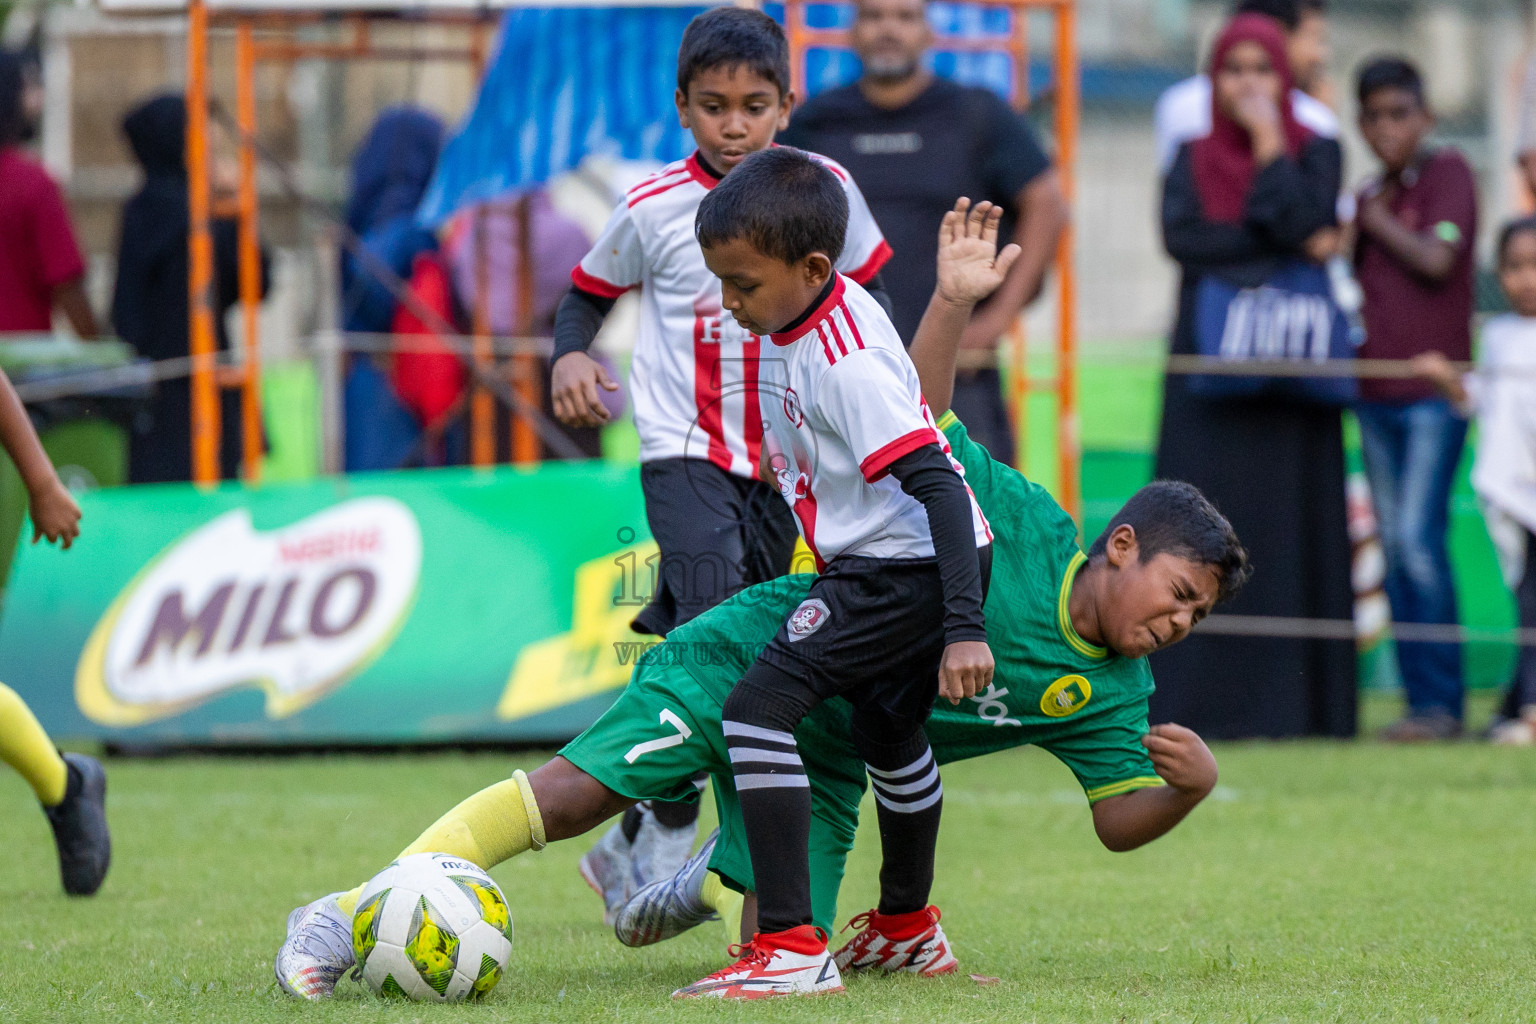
x,y
569,82
565,83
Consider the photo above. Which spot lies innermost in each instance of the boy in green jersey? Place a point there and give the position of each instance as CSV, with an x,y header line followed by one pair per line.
x,y
1071,635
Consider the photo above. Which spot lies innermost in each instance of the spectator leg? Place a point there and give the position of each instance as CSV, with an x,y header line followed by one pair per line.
x,y
1434,436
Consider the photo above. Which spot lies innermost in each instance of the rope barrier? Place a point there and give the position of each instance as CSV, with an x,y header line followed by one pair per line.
x,y
462,345
72,383
1282,627
549,433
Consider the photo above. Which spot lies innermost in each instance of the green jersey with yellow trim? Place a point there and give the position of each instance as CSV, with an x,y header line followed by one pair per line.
x,y
1051,688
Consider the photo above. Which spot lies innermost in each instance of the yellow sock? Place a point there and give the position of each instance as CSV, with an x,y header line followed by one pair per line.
x,y
726,902
494,825
25,747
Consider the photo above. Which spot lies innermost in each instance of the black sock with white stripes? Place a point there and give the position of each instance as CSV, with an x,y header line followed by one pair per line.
x,y
908,800
775,796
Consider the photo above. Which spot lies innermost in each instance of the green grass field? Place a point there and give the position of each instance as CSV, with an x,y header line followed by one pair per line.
x,y
1323,882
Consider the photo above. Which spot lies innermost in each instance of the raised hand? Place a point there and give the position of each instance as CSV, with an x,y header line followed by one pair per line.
x,y
970,267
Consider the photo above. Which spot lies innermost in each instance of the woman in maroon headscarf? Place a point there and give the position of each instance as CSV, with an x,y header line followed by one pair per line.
x,y
1258,191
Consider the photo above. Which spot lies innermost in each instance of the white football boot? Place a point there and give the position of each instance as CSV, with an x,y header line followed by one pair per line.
x,y
665,909
609,869
317,951
910,943
659,852
788,963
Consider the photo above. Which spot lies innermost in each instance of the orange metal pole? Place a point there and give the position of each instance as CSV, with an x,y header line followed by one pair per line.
x,y
1068,443
250,253
482,407
1019,384
799,41
203,340
525,368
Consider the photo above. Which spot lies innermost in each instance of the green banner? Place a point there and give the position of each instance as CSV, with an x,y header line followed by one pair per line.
x,y
413,607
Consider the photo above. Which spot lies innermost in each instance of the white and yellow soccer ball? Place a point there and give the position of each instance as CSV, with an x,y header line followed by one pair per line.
x,y
432,928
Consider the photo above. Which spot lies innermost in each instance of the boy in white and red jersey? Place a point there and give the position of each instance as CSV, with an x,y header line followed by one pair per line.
x,y
894,617
694,369
693,375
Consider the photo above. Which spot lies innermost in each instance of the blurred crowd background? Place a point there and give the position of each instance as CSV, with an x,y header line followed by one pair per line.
x,y
349,149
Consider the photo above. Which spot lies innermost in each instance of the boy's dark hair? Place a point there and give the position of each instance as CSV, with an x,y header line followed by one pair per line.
x,y
1173,517
1518,226
1389,73
782,202
1287,12
728,37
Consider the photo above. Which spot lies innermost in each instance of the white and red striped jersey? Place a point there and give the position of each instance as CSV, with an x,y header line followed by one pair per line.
x,y
694,371
840,402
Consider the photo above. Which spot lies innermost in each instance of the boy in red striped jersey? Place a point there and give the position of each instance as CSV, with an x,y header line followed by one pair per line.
x,y
693,375
894,617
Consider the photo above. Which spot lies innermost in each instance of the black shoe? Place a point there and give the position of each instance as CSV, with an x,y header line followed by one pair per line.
x,y
80,826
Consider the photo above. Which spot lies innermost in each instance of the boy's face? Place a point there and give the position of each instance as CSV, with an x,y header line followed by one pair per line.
x,y
1394,123
732,112
1517,272
1149,605
763,293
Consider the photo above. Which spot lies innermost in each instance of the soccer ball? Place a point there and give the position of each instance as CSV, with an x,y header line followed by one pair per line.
x,y
432,928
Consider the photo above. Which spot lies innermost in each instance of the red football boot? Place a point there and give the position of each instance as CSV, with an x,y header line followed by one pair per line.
x,y
789,963
898,942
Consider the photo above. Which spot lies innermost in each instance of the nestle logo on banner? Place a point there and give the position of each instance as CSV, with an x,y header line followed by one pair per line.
x,y
333,545
295,611
1271,324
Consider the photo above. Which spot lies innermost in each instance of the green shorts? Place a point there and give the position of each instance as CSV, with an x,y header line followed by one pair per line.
x,y
665,728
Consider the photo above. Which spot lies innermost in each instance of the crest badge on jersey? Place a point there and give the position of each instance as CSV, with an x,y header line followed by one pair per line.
x,y
807,619
1065,696
792,409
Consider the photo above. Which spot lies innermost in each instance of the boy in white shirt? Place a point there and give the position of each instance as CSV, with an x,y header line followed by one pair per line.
x,y
1501,392
693,376
895,616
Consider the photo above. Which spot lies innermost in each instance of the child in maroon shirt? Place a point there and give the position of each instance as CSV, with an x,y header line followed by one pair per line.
x,y
40,262
1416,222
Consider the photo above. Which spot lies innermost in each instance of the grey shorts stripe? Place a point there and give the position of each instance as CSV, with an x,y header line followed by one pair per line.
x,y
772,782
753,732
911,769
907,788
753,755
906,808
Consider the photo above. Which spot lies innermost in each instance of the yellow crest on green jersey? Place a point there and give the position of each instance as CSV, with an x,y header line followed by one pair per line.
x,y
1065,696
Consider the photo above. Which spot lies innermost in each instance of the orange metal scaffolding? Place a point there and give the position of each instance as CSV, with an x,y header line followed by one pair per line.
x,y
1065,86
275,43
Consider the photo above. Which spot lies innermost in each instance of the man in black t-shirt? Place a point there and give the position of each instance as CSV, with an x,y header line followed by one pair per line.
x,y
915,143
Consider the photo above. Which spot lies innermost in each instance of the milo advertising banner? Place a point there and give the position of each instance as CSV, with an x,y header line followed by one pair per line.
x,y
413,607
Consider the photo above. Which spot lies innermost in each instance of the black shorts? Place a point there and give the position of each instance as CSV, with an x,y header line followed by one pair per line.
x,y
718,534
871,630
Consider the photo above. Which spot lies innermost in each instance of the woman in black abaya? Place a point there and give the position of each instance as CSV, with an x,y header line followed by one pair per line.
x,y
1259,190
